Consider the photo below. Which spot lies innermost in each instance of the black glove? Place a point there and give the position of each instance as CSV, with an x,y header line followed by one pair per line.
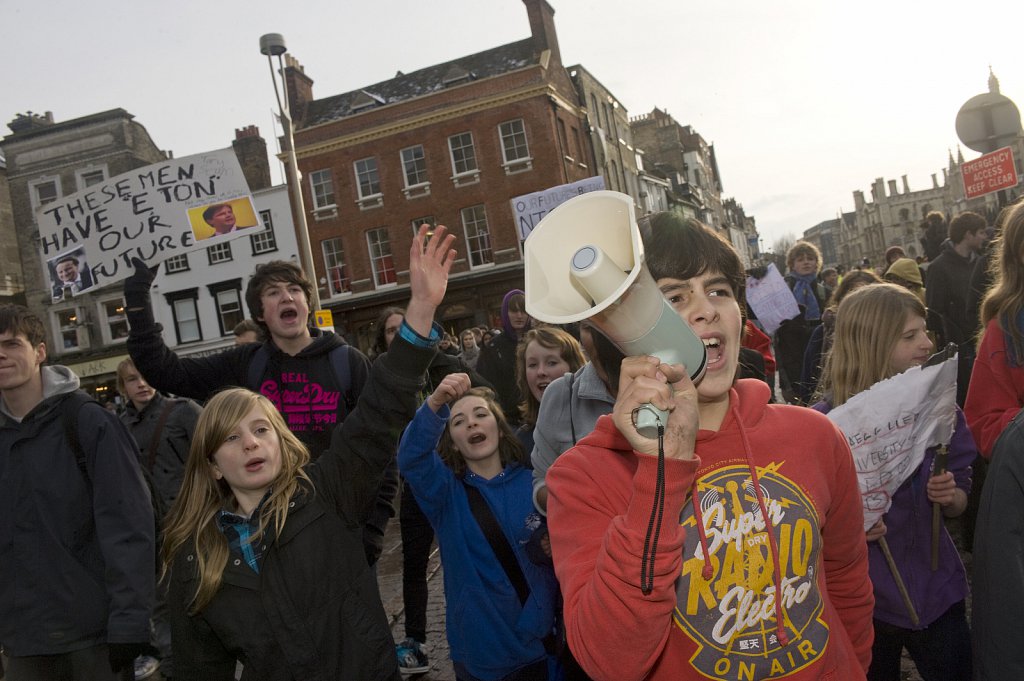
x,y
122,655
138,307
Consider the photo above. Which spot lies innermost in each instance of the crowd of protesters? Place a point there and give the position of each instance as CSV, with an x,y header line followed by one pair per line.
x,y
245,533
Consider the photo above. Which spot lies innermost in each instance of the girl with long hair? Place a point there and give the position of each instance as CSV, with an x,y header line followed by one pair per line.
x,y
544,354
880,332
471,478
263,550
996,391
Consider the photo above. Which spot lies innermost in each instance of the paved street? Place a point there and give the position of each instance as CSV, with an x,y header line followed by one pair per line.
x,y
389,571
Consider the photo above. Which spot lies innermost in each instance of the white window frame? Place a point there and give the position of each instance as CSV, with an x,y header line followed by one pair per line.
x,y
264,241
508,134
219,253
189,303
33,190
373,199
76,327
325,204
119,318
417,184
231,296
334,259
467,175
472,217
81,173
177,263
375,247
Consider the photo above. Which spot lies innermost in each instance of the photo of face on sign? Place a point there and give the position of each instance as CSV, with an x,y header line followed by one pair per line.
x,y
223,218
69,274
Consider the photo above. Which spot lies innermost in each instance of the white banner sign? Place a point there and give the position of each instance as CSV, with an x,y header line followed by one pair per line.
x,y
771,300
891,424
88,239
528,209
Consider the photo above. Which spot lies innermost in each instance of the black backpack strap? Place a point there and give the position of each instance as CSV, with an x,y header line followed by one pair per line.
x,y
154,441
498,541
257,365
341,358
70,406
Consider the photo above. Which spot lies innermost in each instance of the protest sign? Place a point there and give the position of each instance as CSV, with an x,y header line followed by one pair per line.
x,y
891,424
529,209
771,300
89,238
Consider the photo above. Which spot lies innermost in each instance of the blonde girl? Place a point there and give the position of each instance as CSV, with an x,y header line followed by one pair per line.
x,y
457,454
263,550
879,333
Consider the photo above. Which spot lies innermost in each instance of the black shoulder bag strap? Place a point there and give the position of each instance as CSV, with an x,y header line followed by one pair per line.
x,y
498,541
154,441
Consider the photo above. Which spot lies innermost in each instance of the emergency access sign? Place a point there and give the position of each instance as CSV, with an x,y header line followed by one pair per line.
x,y
989,173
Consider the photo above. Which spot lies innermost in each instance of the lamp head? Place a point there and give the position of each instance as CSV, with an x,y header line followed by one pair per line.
x,y
272,44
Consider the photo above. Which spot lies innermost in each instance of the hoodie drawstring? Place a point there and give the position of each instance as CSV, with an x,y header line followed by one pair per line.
x,y
654,524
780,628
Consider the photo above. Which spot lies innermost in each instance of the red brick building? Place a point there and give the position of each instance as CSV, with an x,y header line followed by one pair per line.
x,y
449,144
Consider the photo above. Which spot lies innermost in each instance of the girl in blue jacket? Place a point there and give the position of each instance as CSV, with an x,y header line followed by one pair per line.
x,y
495,631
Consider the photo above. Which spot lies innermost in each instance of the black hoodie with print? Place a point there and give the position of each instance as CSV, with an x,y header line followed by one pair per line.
x,y
303,387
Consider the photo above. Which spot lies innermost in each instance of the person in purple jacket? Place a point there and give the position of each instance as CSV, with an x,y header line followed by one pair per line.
x,y
880,332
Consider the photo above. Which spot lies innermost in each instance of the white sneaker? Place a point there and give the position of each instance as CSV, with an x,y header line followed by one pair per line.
x,y
145,667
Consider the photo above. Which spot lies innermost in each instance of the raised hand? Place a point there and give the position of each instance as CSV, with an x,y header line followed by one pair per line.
x,y
451,388
429,267
136,295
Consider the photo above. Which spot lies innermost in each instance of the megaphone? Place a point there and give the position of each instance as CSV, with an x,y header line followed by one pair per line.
x,y
585,260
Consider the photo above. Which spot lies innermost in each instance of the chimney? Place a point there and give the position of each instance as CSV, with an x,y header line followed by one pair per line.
x,y
858,200
878,189
892,188
935,181
542,27
300,87
906,185
251,150
30,121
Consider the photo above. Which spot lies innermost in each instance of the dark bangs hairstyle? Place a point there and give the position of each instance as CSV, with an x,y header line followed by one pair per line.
x,y
683,248
18,320
274,272
508,444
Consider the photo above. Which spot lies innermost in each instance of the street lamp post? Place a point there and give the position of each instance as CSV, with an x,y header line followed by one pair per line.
x,y
272,45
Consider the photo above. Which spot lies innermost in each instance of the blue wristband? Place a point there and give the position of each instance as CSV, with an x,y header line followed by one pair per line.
x,y
413,338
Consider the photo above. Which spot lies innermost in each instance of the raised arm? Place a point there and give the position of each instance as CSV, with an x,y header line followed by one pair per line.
x,y
429,266
418,460
363,444
163,369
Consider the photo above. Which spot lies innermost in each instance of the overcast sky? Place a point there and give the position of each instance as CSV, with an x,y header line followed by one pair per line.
x,y
805,101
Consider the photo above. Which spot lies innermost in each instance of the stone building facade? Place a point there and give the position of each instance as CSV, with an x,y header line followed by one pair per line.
x,y
611,137
47,160
12,286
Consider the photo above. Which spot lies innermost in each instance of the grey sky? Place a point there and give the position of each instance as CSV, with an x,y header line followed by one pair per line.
x,y
805,101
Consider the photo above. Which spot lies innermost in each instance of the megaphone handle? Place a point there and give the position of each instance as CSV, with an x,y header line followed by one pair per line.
x,y
647,418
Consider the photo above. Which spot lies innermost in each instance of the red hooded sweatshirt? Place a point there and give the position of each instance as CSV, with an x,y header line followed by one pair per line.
x,y
712,612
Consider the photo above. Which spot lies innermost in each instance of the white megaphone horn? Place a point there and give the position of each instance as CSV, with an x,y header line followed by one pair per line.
x,y
585,260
